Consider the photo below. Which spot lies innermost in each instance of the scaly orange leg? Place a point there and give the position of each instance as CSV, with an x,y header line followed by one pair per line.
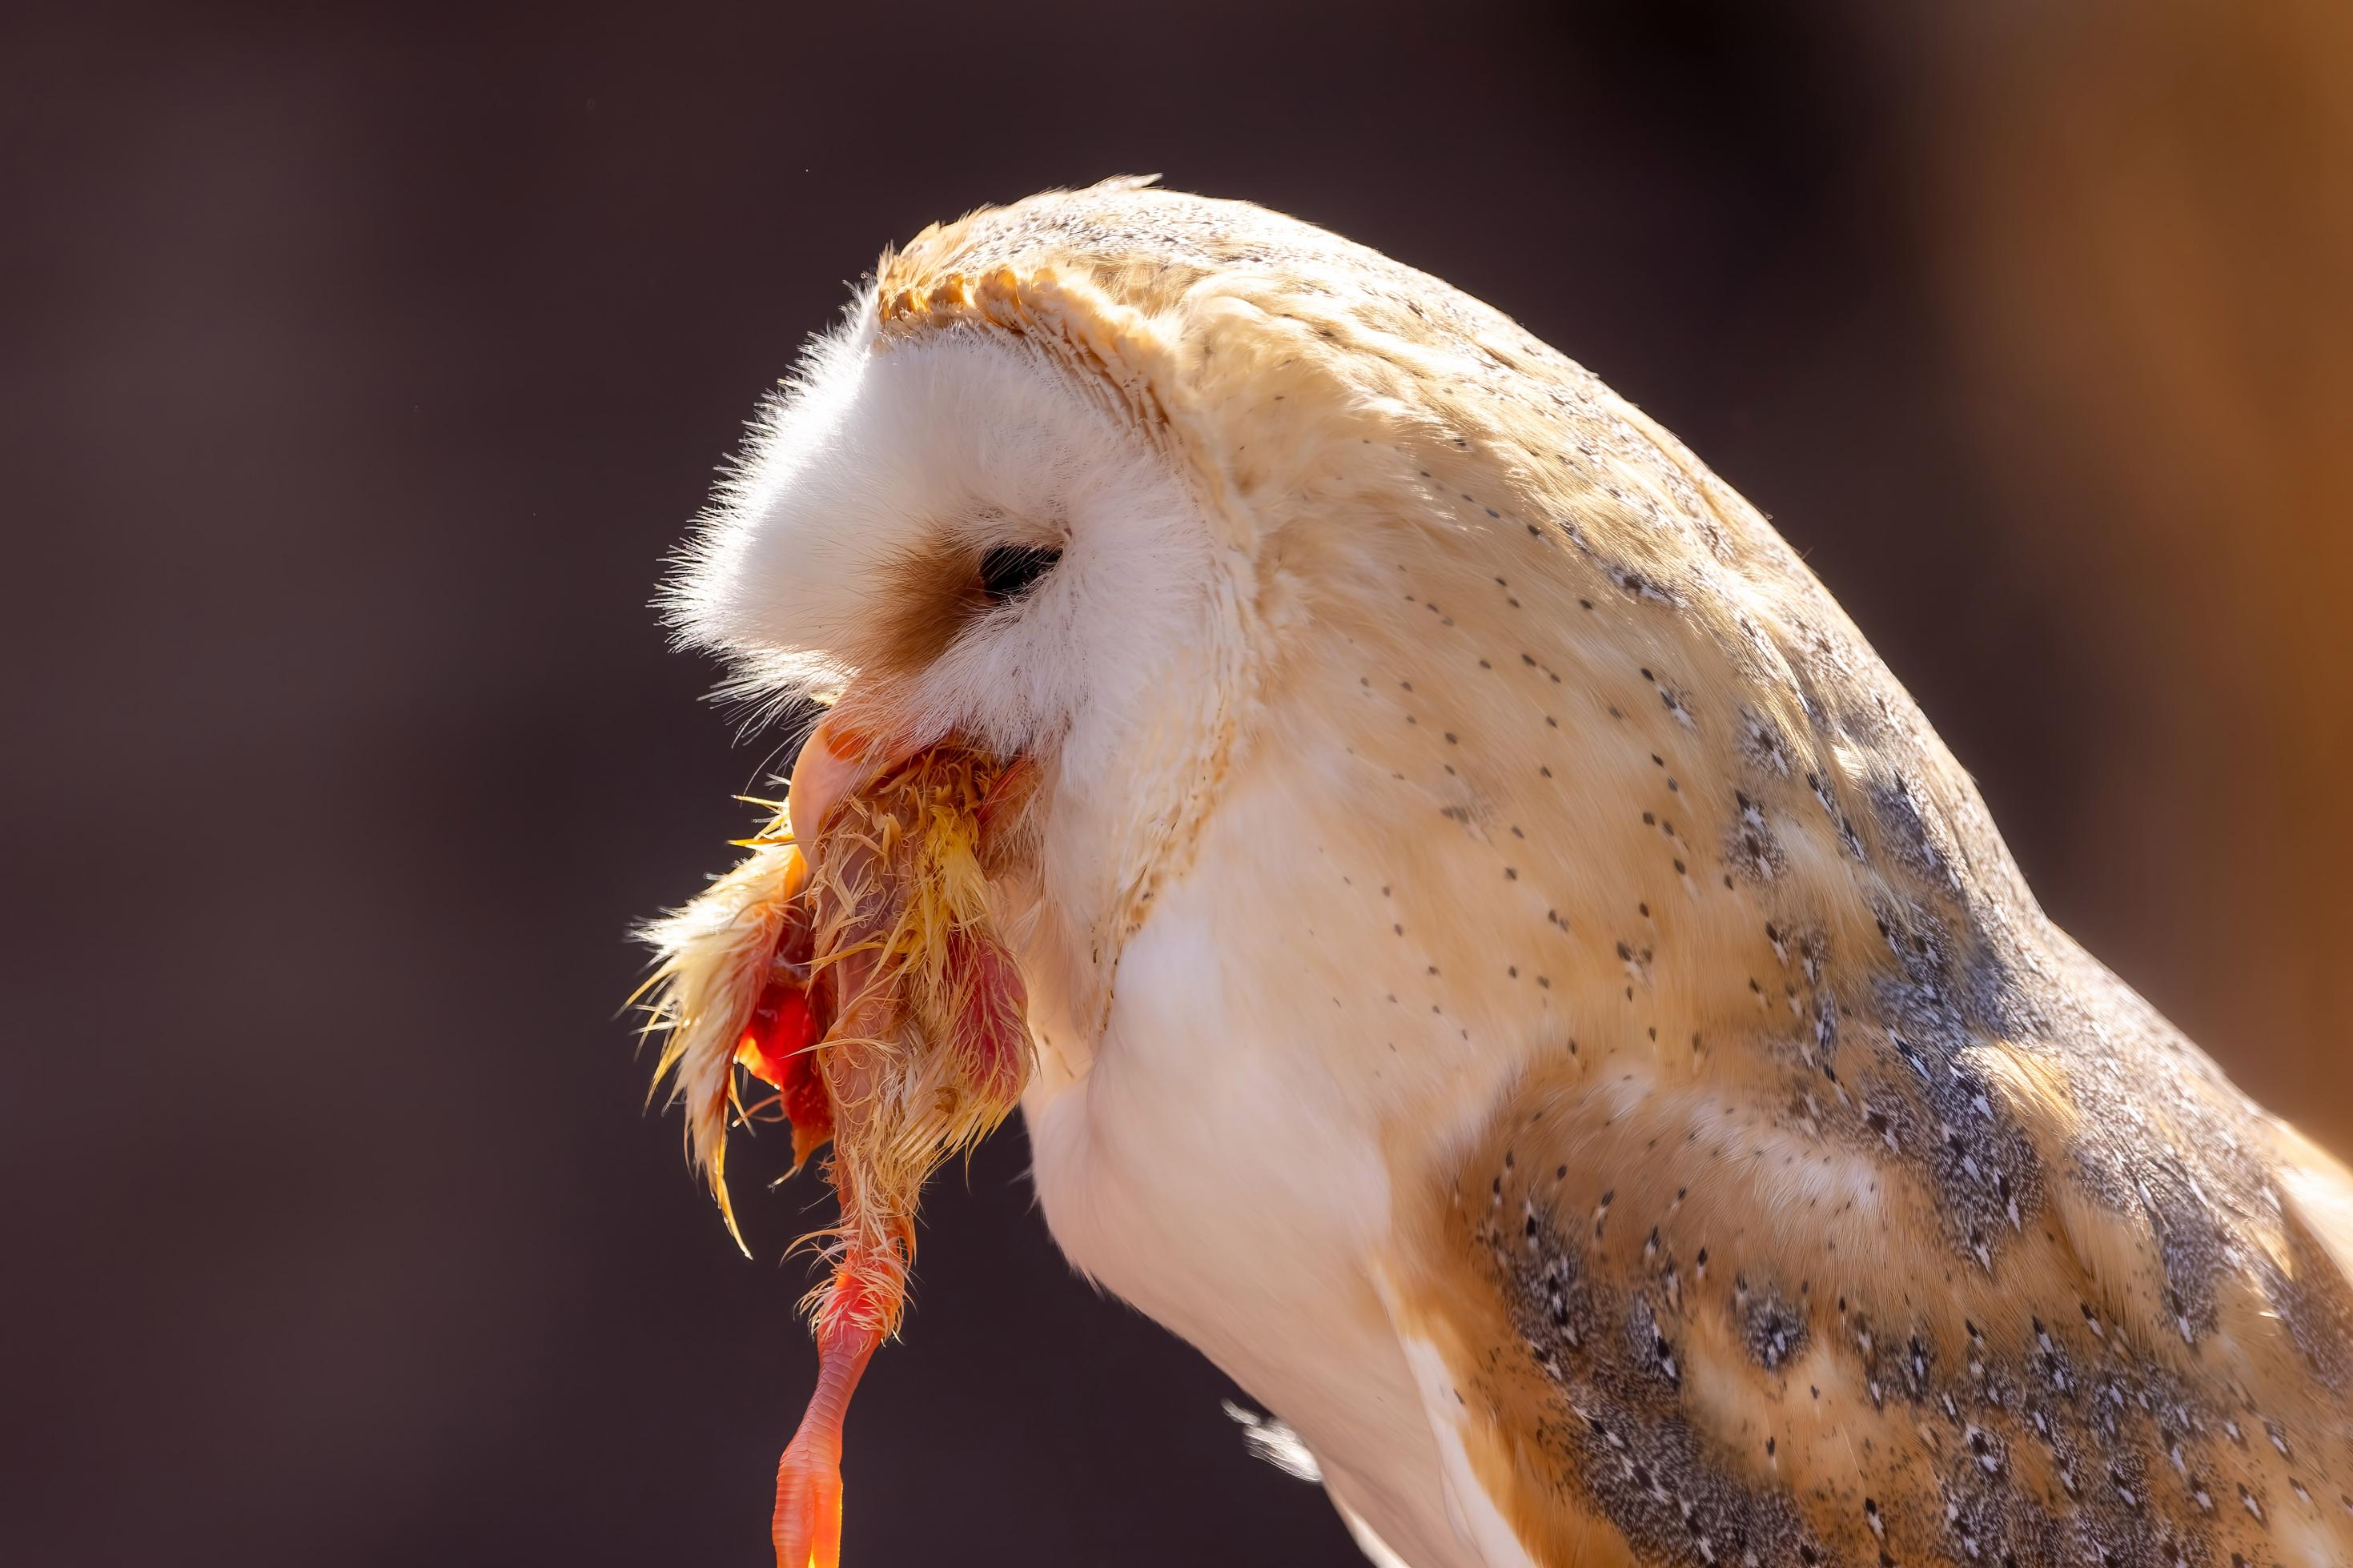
x,y
807,1528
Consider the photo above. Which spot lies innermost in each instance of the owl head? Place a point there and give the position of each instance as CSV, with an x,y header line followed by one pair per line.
x,y
1149,489
1053,486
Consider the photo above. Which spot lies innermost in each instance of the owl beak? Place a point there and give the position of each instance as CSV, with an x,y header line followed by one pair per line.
x,y
836,760
839,758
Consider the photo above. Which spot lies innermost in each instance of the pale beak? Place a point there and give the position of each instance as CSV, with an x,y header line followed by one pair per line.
x,y
836,760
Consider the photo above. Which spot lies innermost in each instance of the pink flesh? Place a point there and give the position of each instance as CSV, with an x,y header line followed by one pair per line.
x,y
992,1030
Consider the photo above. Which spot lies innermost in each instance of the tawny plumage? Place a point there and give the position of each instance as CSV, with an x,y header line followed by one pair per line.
x,y
1515,980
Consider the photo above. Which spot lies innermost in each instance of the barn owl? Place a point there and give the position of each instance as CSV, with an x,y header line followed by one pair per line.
x,y
1514,979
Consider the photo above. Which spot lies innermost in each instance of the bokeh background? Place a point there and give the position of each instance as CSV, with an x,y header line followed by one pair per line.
x,y
358,364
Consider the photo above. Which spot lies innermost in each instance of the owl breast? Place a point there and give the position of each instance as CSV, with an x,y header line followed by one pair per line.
x,y
1221,1165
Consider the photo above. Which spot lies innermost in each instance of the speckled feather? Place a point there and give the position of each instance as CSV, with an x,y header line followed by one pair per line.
x,y
1768,1179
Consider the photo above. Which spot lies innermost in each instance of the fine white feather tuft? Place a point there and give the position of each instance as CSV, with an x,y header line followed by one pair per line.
x,y
1274,1442
882,463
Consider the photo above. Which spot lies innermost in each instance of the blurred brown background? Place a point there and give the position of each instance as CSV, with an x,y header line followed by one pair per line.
x,y
357,366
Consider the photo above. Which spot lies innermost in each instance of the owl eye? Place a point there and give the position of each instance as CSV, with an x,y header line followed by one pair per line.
x,y
1008,571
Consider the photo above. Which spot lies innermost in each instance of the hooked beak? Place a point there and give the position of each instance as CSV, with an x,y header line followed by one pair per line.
x,y
839,759
836,760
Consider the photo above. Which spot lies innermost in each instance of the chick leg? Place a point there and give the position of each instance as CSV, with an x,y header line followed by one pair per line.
x,y
859,1304
807,1528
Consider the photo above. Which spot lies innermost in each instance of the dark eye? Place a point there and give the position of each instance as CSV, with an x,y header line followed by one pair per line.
x,y
1008,570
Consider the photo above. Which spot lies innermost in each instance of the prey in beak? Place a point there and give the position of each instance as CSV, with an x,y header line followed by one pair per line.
x,y
852,963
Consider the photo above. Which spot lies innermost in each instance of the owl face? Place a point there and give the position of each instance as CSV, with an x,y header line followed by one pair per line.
x,y
949,536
